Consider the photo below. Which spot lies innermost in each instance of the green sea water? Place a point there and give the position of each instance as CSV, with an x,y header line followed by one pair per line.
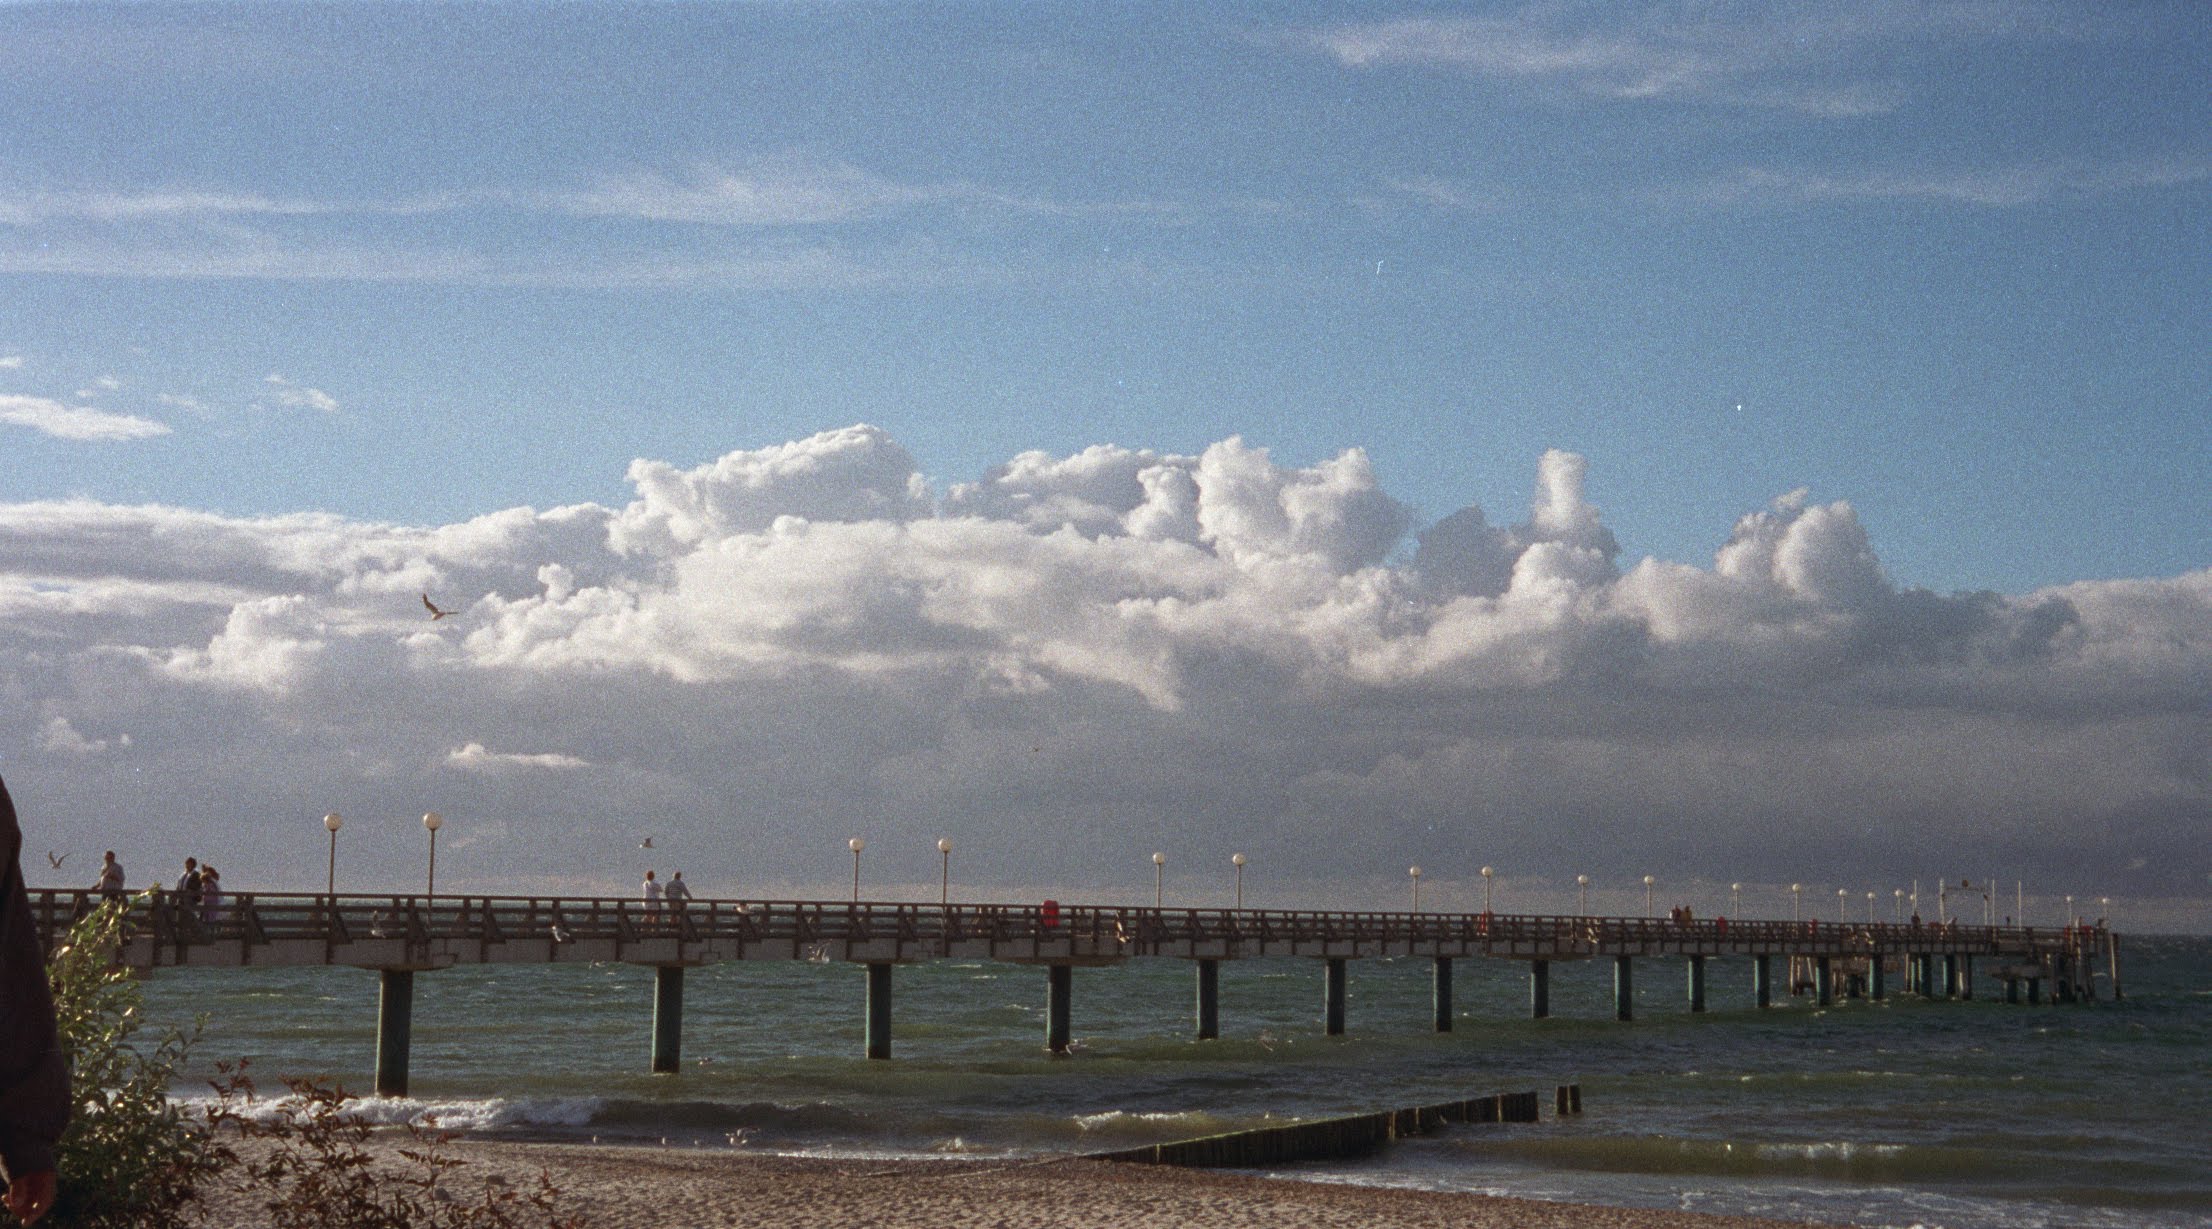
x,y
1966,1115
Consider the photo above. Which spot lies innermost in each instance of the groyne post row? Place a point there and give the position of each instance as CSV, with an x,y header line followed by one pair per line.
x,y
405,934
1331,1138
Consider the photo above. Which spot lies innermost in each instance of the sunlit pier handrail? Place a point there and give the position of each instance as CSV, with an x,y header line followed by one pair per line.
x,y
350,925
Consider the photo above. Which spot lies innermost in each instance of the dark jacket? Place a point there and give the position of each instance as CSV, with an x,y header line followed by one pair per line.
x,y
34,1081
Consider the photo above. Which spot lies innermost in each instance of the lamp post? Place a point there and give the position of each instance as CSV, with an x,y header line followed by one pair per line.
x,y
1648,881
1237,860
2104,911
1843,898
1796,890
2071,919
1899,893
1870,908
1582,896
1735,900
431,822
856,845
1415,871
1159,880
944,870
331,823
1487,871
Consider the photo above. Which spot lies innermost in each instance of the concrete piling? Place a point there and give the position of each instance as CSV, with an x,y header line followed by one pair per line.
x,y
1824,989
1440,993
1624,989
1762,979
1209,1000
1333,997
395,1022
668,1017
879,1010
1059,986
1875,977
1697,983
1539,989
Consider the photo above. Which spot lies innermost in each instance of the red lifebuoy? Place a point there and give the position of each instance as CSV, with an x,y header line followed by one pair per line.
x,y
1049,914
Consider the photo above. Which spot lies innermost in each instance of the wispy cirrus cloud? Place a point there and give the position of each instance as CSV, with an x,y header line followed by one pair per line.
x,y
476,757
1989,187
1814,60
775,192
299,396
75,422
29,208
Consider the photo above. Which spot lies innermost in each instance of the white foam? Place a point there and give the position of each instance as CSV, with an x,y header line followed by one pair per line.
x,y
463,1115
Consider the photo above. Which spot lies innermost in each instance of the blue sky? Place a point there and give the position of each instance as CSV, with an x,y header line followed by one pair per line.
x,y
1950,260
569,314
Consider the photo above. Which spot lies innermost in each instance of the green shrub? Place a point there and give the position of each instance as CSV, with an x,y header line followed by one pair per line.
x,y
130,1156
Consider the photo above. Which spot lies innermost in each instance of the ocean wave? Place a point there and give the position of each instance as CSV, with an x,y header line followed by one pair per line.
x,y
459,1114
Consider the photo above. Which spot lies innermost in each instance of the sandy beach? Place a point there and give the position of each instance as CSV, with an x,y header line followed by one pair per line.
x,y
618,1187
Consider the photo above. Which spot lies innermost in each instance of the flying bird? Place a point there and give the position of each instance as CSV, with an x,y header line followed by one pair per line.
x,y
435,612
647,843
55,860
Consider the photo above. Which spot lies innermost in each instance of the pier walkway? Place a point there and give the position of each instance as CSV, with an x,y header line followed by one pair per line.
x,y
400,935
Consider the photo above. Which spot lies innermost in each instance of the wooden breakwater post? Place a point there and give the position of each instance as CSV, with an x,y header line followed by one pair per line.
x,y
1333,1138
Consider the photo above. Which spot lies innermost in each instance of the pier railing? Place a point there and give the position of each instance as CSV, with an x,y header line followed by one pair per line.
x,y
376,930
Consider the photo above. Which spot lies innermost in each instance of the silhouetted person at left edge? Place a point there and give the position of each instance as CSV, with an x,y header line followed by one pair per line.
x,y
34,1082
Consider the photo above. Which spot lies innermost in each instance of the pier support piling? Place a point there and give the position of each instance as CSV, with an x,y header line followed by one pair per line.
x,y
1624,988
1875,977
1966,978
1059,989
1440,993
1209,1000
1762,979
395,1018
879,1010
668,1017
2035,991
1539,989
1332,1012
1824,986
1697,983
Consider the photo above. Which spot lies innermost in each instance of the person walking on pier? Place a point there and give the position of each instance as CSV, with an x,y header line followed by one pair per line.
x,y
652,898
189,885
678,892
34,1078
111,876
211,896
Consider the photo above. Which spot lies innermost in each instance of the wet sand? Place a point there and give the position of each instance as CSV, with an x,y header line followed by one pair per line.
x,y
622,1187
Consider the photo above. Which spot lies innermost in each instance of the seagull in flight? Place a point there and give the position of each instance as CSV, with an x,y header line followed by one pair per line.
x,y
647,843
55,860
436,613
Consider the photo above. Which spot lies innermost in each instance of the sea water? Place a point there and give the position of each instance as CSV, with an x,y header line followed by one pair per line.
x,y
1960,1115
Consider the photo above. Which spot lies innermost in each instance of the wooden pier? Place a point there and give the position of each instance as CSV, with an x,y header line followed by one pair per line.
x,y
400,936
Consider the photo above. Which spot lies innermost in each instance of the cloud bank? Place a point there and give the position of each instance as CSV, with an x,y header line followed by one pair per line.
x,y
1075,660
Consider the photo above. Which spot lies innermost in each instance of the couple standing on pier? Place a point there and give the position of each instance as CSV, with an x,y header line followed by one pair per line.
x,y
674,892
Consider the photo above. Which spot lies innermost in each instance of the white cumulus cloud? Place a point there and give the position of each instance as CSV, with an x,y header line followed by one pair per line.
x,y
75,422
1072,660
